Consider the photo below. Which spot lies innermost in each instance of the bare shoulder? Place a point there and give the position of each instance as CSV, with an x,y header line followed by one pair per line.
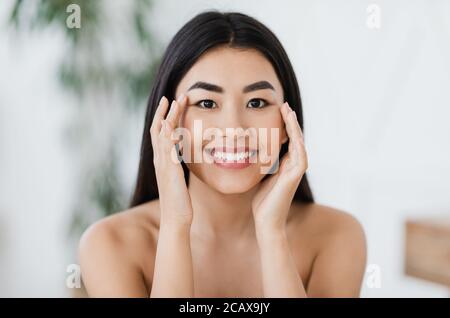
x,y
123,228
340,249
325,222
123,242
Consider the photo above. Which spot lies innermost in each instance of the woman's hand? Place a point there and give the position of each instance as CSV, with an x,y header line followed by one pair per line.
x,y
175,202
173,272
272,202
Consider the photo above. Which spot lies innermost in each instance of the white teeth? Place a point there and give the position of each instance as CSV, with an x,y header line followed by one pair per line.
x,y
230,156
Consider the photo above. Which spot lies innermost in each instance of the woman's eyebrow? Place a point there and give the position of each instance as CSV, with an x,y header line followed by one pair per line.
x,y
257,86
215,88
207,86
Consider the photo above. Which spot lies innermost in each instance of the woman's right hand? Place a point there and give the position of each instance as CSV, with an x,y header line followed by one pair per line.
x,y
174,198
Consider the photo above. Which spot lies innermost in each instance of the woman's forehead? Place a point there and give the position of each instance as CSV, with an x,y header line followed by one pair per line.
x,y
231,68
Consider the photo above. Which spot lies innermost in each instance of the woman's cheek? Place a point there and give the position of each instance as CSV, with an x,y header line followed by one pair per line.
x,y
270,135
195,127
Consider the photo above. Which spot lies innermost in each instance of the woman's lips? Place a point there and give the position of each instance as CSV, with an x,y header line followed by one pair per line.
x,y
232,158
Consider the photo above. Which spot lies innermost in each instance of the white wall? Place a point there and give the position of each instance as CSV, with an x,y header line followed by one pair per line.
x,y
36,174
376,106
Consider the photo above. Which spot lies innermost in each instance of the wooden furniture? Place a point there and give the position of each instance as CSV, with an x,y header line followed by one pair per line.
x,y
428,249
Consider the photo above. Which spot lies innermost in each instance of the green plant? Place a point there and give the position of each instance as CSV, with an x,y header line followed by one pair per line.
x,y
102,81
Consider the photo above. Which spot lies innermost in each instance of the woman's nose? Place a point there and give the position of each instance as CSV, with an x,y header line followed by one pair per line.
x,y
231,116
235,125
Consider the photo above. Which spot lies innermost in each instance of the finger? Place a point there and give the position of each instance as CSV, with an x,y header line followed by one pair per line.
x,y
167,143
176,110
183,102
296,126
294,133
164,140
155,128
285,114
172,111
159,115
166,128
284,111
292,125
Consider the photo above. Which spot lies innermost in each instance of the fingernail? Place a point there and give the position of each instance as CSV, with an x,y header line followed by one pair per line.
x,y
161,100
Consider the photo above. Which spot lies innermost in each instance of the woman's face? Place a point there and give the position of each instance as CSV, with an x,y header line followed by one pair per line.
x,y
228,89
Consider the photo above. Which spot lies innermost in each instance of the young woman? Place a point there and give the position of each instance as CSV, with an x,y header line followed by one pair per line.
x,y
222,227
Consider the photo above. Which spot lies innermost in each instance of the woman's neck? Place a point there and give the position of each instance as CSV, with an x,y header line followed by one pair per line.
x,y
220,216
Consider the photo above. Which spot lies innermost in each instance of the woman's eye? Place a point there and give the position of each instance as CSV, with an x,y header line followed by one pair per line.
x,y
206,103
257,103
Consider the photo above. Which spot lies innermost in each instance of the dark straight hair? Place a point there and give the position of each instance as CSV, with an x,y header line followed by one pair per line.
x,y
203,32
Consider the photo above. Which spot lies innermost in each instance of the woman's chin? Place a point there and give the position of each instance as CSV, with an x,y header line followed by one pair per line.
x,y
233,186
228,181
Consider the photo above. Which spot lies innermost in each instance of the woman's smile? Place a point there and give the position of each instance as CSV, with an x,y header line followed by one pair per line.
x,y
231,158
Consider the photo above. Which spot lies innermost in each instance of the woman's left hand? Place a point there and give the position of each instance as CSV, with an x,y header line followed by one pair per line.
x,y
272,202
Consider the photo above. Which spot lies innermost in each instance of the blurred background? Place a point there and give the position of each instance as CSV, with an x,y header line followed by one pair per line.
x,y
375,83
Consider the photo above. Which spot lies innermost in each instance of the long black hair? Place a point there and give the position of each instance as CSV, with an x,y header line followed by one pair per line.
x,y
205,31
